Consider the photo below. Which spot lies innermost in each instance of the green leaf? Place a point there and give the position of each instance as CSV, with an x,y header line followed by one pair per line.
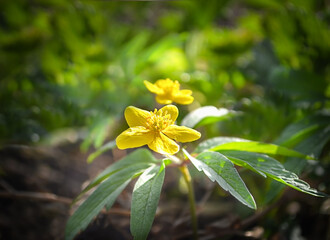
x,y
107,192
136,161
299,136
270,167
216,141
309,135
219,144
220,169
206,115
108,146
145,199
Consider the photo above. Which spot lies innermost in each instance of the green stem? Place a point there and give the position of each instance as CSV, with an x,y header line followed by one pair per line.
x,y
186,175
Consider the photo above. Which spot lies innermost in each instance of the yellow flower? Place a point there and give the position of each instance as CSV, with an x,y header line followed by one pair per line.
x,y
156,129
168,91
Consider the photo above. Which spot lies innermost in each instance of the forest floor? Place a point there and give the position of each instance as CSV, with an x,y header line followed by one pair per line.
x,y
37,185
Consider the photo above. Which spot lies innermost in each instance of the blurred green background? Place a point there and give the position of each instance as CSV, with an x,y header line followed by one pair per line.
x,y
77,64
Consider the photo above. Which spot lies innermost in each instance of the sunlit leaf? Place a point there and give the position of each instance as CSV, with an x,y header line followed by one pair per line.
x,y
218,168
145,199
271,168
220,144
206,115
216,141
310,135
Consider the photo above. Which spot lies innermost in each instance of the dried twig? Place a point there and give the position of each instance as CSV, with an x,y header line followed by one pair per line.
x,y
36,196
53,198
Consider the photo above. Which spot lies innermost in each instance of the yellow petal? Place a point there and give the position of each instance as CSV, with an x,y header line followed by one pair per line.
x,y
167,83
185,92
176,86
153,87
172,111
163,99
163,145
136,116
134,137
183,97
181,133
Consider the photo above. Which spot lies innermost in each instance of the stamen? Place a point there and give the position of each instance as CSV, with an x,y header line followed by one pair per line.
x,y
158,120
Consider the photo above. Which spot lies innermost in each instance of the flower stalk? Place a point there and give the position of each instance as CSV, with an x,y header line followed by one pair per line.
x,y
191,196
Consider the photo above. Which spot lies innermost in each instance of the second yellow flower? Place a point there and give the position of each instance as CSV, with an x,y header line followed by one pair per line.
x,y
168,91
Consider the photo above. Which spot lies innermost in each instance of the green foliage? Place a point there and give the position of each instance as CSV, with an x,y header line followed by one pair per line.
x,y
206,115
112,181
225,143
246,154
135,162
106,193
219,168
145,199
309,135
268,166
216,158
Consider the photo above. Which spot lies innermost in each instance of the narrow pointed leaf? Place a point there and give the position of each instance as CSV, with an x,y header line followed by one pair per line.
x,y
145,199
206,115
309,135
139,160
216,141
219,144
271,168
112,181
220,169
107,192
300,136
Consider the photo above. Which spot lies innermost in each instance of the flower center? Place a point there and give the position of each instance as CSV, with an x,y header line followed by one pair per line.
x,y
158,120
